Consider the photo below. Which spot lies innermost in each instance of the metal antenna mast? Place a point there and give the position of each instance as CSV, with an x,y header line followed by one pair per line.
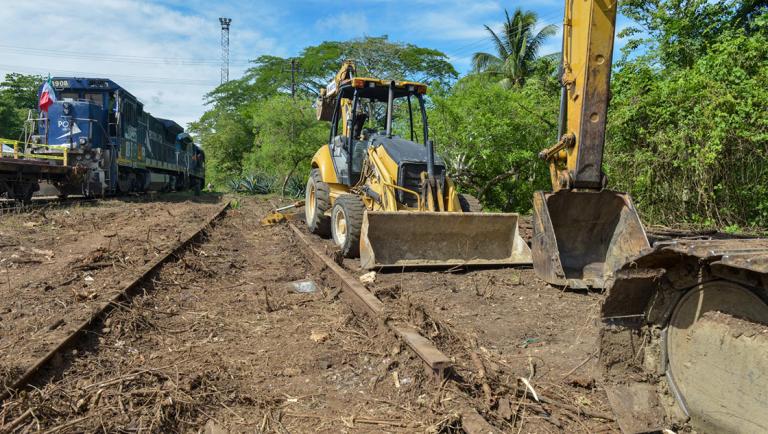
x,y
225,49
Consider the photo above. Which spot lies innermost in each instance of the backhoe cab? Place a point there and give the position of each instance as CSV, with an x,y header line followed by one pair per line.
x,y
378,189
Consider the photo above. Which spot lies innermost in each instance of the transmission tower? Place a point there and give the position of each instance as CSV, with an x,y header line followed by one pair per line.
x,y
225,49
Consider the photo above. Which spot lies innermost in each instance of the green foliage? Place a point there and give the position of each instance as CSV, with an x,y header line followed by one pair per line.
x,y
295,187
287,135
689,142
317,65
517,48
678,32
227,137
18,95
256,183
490,137
254,126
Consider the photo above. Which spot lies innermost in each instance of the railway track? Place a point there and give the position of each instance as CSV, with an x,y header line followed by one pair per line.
x,y
463,368
36,371
224,335
8,206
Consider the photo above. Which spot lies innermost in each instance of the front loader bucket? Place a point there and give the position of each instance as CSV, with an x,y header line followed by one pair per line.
x,y
581,238
427,239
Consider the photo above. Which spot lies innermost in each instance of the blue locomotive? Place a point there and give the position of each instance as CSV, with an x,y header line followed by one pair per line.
x,y
112,145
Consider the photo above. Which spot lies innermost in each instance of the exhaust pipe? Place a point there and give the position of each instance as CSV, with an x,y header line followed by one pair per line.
x,y
390,107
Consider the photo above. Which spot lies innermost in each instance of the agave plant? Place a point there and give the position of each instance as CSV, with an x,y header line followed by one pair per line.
x,y
234,185
295,186
259,183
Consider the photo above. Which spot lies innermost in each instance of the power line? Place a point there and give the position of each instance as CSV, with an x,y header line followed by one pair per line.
x,y
134,78
115,58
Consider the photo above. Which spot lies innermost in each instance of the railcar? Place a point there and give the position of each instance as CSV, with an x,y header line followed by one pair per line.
x,y
106,142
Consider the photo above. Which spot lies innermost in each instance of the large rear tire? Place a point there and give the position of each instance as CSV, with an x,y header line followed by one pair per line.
x,y
317,202
469,203
346,224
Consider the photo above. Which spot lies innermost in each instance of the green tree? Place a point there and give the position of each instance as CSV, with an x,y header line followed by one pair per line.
x,y
287,134
516,48
18,95
226,137
689,141
317,65
232,129
677,32
490,137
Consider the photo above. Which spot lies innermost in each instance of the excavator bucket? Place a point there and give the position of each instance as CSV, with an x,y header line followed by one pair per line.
x,y
581,238
434,239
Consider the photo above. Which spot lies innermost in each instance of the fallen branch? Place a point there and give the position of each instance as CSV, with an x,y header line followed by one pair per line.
x,y
482,376
16,422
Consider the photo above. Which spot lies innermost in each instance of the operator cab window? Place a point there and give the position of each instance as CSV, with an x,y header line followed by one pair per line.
x,y
96,98
69,96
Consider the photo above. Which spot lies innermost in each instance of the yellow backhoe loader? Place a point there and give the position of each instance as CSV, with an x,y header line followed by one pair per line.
x,y
685,336
378,189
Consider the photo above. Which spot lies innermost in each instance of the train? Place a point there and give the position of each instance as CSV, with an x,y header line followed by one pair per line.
x,y
97,140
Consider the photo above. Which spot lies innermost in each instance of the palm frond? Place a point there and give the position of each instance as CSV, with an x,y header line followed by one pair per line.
x,y
482,62
500,47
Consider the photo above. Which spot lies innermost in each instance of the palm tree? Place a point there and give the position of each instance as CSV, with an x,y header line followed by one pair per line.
x,y
516,48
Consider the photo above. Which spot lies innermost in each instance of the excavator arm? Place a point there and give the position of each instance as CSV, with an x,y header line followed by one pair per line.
x,y
691,315
588,34
582,232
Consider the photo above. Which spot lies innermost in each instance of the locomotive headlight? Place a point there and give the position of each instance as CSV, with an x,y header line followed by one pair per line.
x,y
67,109
83,141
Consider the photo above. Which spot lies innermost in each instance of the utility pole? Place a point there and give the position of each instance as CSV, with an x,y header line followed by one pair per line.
x,y
295,69
225,22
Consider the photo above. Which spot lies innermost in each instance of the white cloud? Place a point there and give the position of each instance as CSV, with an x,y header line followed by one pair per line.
x,y
344,24
165,56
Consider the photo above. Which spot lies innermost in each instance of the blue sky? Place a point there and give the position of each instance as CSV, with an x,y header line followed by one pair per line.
x,y
166,51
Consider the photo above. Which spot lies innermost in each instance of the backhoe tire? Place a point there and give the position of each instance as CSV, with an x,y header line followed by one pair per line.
x,y
317,202
469,203
346,223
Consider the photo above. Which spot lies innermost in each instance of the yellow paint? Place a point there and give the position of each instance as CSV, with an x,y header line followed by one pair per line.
x,y
323,161
588,35
380,171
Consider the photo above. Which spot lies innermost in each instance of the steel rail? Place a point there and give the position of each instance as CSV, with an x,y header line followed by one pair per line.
x,y
433,358
124,294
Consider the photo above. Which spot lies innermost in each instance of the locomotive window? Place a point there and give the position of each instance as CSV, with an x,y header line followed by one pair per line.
x,y
70,95
96,98
129,113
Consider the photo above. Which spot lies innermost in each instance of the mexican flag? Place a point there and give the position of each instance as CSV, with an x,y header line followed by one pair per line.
x,y
47,95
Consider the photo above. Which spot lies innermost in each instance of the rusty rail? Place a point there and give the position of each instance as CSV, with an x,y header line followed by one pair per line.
x,y
13,207
433,358
124,294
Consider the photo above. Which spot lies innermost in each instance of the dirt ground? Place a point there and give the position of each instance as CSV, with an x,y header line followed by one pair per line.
x,y
58,265
222,341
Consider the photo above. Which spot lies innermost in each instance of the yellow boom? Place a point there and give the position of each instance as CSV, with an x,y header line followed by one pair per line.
x,y
582,232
